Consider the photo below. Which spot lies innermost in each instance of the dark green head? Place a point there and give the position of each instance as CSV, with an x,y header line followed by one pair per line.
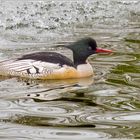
x,y
84,48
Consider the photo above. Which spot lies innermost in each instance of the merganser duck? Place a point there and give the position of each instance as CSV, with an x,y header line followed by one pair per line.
x,y
52,65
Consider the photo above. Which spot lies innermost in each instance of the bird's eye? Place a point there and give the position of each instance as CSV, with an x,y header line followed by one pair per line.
x,y
89,48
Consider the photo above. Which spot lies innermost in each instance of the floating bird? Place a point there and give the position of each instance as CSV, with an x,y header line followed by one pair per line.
x,y
52,65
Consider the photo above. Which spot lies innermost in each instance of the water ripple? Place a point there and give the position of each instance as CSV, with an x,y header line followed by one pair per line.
x,y
17,131
119,58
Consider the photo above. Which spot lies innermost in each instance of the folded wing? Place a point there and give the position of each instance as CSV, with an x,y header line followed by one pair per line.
x,y
27,67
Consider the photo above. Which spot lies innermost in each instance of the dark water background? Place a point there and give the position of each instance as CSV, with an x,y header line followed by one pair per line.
x,y
105,106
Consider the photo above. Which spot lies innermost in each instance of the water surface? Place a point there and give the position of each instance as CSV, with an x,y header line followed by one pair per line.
x,y
104,106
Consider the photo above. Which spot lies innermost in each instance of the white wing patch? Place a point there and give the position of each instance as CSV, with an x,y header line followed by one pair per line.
x,y
28,67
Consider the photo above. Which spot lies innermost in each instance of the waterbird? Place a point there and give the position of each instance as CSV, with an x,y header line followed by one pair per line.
x,y
53,65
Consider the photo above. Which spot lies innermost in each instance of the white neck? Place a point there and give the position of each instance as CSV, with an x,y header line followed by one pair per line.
x,y
84,70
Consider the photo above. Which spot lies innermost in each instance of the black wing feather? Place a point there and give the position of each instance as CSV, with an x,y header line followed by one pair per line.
x,y
51,57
